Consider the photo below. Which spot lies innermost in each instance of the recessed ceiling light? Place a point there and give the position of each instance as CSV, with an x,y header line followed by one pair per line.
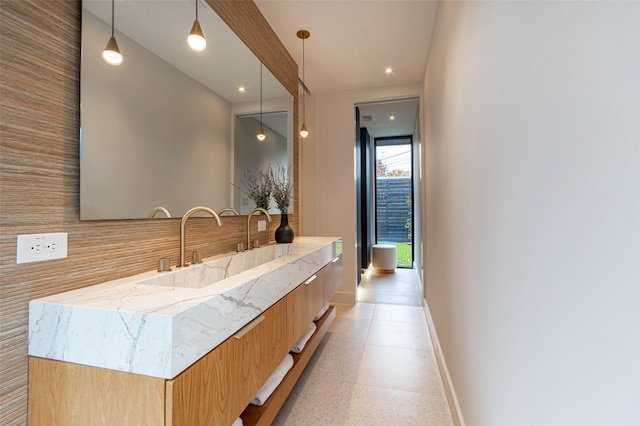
x,y
392,117
388,70
241,89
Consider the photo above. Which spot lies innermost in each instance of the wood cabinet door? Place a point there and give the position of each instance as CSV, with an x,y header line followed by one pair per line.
x,y
217,388
316,297
333,277
297,312
303,304
66,394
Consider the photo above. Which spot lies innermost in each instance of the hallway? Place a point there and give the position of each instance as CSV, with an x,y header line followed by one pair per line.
x,y
376,365
399,288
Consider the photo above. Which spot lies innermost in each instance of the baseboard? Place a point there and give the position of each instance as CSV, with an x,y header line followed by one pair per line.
x,y
449,391
343,299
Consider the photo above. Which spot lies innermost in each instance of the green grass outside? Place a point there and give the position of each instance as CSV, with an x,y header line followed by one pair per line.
x,y
403,253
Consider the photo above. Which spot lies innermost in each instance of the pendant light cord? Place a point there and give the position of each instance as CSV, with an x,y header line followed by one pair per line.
x,y
260,94
196,10
304,89
113,14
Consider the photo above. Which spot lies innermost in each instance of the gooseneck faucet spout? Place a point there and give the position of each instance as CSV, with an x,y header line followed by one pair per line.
x,y
256,210
231,210
157,210
186,216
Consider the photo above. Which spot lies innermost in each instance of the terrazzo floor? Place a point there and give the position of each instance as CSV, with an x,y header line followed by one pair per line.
x,y
375,366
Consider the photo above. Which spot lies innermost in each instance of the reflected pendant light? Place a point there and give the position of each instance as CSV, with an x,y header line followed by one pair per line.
x,y
304,132
111,54
196,38
261,136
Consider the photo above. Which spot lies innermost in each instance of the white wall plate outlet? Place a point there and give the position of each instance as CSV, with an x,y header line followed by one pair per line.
x,y
38,247
262,225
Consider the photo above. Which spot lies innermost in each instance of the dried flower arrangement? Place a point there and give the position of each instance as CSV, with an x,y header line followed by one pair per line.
x,y
259,187
269,183
281,187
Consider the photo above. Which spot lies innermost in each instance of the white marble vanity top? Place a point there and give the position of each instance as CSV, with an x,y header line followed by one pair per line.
x,y
159,323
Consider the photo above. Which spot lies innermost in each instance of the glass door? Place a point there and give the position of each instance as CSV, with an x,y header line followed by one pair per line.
x,y
394,196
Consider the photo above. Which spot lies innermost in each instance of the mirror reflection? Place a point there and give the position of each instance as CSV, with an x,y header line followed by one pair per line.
x,y
253,155
169,127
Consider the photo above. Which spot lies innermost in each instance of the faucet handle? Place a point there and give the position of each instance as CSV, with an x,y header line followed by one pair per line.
x,y
164,265
195,258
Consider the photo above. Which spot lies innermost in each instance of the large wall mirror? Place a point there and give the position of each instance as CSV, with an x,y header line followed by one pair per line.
x,y
169,126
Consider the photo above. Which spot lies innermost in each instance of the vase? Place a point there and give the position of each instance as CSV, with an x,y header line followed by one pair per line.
x,y
284,233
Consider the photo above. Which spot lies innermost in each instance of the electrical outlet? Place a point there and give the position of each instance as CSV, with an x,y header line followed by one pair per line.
x,y
38,247
262,225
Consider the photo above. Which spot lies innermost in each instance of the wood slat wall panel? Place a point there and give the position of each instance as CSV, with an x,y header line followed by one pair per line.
x,y
39,175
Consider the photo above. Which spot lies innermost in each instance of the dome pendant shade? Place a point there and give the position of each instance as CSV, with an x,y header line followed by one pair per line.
x,y
261,136
196,38
303,131
111,54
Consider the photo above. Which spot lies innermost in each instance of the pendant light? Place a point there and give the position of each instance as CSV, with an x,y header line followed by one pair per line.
x,y
196,38
304,132
111,54
261,136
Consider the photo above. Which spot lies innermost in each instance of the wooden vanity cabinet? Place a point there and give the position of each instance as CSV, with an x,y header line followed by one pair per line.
x,y
216,388
213,391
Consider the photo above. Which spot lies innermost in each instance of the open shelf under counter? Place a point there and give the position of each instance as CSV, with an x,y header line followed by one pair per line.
x,y
255,415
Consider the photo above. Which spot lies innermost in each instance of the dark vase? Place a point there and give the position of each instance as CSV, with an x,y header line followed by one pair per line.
x,y
284,233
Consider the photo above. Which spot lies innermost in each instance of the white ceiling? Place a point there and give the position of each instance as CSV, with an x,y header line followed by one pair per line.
x,y
351,44
353,41
376,117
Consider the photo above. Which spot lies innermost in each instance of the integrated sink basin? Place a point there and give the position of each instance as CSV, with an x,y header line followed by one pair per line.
x,y
159,323
221,267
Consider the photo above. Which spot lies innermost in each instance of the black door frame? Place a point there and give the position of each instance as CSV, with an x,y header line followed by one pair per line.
x,y
364,185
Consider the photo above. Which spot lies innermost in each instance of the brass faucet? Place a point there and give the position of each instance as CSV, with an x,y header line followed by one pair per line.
x,y
186,216
231,210
256,210
157,210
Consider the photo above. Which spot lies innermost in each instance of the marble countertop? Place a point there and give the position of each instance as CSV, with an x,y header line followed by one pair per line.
x,y
159,323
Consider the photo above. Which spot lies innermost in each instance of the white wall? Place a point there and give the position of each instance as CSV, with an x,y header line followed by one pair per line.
x,y
333,186
308,177
532,134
